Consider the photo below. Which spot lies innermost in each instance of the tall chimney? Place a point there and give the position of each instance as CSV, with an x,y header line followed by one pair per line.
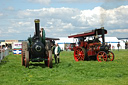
x,y
103,36
37,27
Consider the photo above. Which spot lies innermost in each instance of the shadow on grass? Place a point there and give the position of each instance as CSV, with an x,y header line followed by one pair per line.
x,y
92,58
42,65
4,61
37,65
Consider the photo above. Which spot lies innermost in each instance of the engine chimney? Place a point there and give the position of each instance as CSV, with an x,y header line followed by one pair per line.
x,y
103,40
37,27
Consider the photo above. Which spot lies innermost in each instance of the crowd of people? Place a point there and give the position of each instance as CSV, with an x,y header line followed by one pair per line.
x,y
2,48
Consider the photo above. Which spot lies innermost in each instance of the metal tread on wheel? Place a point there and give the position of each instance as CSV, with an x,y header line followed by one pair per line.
x,y
24,47
26,59
50,59
48,62
25,54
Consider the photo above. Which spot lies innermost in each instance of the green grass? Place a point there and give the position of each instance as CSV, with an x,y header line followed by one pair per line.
x,y
68,72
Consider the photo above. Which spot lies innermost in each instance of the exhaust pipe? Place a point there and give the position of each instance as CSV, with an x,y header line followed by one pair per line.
x,y
37,27
103,36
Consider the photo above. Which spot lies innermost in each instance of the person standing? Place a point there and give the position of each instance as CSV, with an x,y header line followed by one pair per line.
x,y
109,46
56,50
42,34
118,45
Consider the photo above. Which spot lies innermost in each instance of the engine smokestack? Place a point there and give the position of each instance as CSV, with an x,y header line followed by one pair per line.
x,y
103,36
37,27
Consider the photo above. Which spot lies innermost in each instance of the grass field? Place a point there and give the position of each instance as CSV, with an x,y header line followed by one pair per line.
x,y
68,72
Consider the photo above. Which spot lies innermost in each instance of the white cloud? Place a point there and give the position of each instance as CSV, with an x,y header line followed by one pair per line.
x,y
0,32
46,2
88,1
61,19
12,31
119,30
65,21
1,14
10,8
24,23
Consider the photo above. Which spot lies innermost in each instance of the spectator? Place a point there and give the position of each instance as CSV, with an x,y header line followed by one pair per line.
x,y
0,48
6,48
42,34
79,43
118,45
110,46
56,50
113,47
52,43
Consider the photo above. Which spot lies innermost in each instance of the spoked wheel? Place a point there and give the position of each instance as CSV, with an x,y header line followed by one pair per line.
x,y
26,59
110,56
79,54
48,62
101,56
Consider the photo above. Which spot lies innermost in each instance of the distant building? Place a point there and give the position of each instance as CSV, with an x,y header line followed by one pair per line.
x,y
64,42
114,41
125,40
8,42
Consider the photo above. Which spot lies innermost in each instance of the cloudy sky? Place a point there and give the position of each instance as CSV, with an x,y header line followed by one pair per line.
x,y
61,18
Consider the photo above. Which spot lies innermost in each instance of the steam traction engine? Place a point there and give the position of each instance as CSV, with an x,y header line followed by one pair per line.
x,y
88,49
37,48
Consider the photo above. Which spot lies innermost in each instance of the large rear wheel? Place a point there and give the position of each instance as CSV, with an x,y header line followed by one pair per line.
x,y
23,57
26,59
50,59
79,54
24,48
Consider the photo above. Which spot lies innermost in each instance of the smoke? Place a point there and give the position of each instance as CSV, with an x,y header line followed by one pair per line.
x,y
109,4
102,16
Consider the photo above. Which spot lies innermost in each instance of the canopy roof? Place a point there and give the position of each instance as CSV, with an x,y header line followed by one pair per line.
x,y
86,34
47,38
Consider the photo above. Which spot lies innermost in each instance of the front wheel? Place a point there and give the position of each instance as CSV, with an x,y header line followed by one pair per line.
x,y
101,56
110,56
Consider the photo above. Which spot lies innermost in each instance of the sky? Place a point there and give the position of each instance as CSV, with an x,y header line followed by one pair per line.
x,y
61,18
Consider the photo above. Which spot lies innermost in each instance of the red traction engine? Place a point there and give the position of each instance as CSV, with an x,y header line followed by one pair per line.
x,y
92,49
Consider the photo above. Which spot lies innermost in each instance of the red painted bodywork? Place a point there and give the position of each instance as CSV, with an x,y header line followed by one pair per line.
x,y
90,48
